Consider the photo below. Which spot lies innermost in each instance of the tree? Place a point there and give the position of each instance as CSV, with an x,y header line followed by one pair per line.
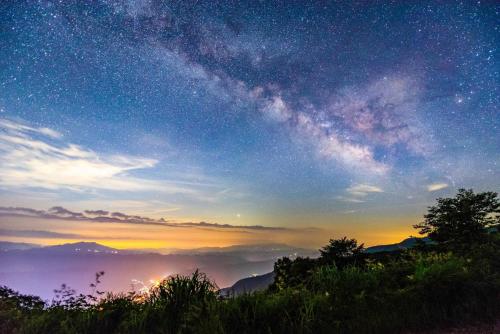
x,y
341,252
461,220
281,273
292,273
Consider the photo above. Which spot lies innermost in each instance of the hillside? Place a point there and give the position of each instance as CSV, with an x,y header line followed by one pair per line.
x,y
78,247
249,284
405,244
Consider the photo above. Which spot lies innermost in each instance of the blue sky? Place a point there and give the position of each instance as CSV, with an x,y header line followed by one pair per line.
x,y
248,113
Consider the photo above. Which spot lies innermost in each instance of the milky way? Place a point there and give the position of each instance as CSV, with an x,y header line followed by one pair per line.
x,y
247,112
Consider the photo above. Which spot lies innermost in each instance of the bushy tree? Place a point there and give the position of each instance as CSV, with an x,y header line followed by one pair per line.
x,y
341,252
292,273
462,220
281,273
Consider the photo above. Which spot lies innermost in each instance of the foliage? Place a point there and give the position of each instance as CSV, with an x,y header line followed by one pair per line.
x,y
341,252
463,220
183,301
290,273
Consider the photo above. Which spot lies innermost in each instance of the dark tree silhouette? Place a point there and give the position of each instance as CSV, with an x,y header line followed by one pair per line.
x,y
292,273
341,252
282,273
461,220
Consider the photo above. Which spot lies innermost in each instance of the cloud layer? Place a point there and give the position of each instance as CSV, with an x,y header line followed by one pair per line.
x,y
102,216
40,158
32,158
436,186
356,193
40,234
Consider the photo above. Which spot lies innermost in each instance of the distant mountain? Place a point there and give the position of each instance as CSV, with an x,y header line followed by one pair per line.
x,y
259,252
38,271
240,248
249,284
79,247
405,244
9,246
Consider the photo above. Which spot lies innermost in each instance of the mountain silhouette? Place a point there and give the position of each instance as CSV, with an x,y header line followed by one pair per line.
x,y
77,247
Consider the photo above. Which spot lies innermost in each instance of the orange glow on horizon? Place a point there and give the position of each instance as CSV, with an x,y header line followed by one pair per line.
x,y
123,236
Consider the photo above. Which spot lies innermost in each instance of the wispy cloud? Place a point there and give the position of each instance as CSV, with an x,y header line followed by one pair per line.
x,y
103,216
40,234
437,186
363,189
349,212
356,193
349,199
18,127
39,158
44,234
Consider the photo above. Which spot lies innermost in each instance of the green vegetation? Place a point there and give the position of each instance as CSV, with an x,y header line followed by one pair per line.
x,y
455,279
461,221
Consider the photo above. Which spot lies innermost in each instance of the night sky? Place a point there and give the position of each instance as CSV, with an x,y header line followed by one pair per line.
x,y
346,117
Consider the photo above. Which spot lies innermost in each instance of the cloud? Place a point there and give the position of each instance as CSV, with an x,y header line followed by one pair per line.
x,y
96,212
18,127
363,189
349,199
40,234
229,226
47,162
61,213
436,186
358,192
43,234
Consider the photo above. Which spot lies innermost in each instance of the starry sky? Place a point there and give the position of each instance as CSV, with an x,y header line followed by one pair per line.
x,y
199,123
